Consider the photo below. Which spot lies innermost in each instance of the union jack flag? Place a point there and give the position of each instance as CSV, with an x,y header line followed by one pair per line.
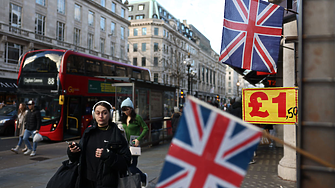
x,y
251,35
211,148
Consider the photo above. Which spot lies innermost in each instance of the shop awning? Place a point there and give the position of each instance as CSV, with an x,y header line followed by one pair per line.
x,y
7,85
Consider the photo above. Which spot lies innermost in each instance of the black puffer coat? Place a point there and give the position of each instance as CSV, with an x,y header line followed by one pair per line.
x,y
33,120
114,159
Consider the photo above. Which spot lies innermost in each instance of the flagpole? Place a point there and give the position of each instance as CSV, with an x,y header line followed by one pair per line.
x,y
291,11
305,153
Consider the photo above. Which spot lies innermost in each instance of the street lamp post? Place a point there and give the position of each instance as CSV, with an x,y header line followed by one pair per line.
x,y
188,64
238,88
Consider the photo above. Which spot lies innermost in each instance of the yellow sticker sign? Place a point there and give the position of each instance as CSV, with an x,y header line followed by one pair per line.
x,y
277,105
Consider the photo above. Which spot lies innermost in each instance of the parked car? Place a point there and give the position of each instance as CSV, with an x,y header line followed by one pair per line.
x,y
8,116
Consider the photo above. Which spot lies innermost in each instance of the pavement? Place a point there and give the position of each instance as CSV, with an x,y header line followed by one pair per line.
x,y
18,171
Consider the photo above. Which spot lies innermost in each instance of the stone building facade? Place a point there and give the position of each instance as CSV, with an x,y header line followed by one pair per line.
x,y
176,53
96,27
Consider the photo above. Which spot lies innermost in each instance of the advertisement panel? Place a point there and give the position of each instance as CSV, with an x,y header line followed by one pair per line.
x,y
277,105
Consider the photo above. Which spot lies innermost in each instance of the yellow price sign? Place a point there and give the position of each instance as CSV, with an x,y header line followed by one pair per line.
x,y
278,105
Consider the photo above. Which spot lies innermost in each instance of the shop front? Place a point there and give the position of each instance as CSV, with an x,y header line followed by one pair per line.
x,y
8,89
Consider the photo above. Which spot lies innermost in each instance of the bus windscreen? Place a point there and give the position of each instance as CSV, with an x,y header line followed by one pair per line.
x,y
42,61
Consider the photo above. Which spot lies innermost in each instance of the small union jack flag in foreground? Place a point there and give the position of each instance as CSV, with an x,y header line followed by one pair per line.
x,y
251,35
211,148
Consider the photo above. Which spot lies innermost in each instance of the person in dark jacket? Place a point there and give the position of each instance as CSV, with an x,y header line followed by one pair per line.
x,y
236,107
175,119
32,126
102,152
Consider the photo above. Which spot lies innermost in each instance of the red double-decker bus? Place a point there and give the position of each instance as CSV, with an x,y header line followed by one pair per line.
x,y
66,84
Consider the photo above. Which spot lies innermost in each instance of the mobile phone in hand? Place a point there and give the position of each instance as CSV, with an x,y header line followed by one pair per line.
x,y
70,144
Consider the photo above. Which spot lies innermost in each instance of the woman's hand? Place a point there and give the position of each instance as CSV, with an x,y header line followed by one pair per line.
x,y
74,148
137,143
98,152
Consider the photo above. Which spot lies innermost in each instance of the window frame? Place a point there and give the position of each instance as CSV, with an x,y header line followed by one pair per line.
x,y
42,32
11,17
91,15
76,36
60,25
77,12
58,6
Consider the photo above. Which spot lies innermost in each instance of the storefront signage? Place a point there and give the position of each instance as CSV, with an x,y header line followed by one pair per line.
x,y
270,105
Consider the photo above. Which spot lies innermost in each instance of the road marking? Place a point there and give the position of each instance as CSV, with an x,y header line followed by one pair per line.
x,y
6,138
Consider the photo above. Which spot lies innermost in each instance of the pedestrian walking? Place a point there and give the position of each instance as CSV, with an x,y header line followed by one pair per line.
x,y
175,118
20,126
132,124
32,126
103,153
236,110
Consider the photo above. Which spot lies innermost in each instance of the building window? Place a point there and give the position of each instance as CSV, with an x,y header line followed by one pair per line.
x,y
155,47
90,18
140,7
113,7
76,37
144,47
103,3
229,84
61,6
210,76
155,77
229,90
229,78
156,61
112,49
15,16
41,2
143,61
13,52
135,32
122,33
102,45
90,41
156,31
135,47
122,52
39,24
139,17
213,77
102,23
135,61
122,12
144,31
130,8
113,29
206,75
77,12
60,31
203,74
130,17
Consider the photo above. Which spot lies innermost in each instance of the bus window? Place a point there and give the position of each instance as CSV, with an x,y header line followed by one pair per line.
x,y
121,71
136,74
93,68
42,61
145,75
108,69
75,65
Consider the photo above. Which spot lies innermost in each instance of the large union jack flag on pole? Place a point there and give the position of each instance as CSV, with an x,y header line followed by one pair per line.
x,y
251,35
211,148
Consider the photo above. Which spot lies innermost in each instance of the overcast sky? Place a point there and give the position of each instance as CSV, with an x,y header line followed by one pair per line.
x,y
205,15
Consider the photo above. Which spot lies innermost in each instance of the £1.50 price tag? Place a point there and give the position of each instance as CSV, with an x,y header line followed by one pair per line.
x,y
270,105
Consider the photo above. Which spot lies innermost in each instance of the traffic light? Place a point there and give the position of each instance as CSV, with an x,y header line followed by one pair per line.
x,y
218,97
181,93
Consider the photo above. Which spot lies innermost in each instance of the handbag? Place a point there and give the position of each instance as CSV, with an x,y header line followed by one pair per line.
x,y
65,177
129,181
135,150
